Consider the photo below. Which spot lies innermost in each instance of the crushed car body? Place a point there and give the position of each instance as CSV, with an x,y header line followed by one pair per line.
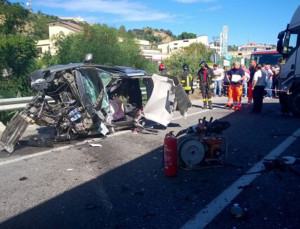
x,y
88,99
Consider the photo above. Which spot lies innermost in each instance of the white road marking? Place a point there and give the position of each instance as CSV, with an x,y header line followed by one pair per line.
x,y
10,161
207,214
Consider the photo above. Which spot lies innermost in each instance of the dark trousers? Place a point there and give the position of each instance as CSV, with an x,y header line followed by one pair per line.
x,y
258,96
206,95
275,87
225,88
206,92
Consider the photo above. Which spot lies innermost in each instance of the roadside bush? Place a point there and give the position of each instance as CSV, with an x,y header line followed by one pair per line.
x,y
191,55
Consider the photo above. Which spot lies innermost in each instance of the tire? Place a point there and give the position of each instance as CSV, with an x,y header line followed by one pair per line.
x,y
294,103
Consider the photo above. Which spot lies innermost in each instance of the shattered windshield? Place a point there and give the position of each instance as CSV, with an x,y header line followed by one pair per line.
x,y
106,77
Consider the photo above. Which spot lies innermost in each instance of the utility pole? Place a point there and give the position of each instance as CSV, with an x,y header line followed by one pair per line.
x,y
29,5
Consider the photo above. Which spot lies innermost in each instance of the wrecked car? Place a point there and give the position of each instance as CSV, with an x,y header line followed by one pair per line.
x,y
86,99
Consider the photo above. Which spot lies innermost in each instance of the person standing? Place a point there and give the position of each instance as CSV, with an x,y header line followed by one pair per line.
x,y
235,78
269,81
229,88
222,78
245,81
187,79
218,80
258,87
275,85
205,76
252,68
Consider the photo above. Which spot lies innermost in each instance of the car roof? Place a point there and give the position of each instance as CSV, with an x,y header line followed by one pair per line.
x,y
117,71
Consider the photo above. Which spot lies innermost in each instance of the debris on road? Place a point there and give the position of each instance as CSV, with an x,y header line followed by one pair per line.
x,y
244,186
237,211
40,141
23,178
92,206
95,145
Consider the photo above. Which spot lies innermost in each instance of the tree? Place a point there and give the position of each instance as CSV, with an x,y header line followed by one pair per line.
x,y
185,35
18,51
103,42
232,48
15,17
191,55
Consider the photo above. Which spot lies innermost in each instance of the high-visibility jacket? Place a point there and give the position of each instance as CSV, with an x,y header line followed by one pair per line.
x,y
187,80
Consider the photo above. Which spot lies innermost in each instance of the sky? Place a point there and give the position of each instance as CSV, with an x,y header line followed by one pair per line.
x,y
253,20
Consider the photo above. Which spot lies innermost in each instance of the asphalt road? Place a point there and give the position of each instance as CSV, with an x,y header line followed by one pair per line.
x,y
122,185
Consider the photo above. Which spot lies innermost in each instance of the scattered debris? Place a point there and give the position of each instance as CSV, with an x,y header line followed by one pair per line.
x,y
244,186
23,178
40,141
205,181
95,145
92,206
237,211
148,215
138,193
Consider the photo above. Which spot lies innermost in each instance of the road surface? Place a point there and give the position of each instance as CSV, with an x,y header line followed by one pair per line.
x,y
122,185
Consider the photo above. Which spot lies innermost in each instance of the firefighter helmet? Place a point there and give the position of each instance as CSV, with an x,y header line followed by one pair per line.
x,y
203,64
161,67
185,67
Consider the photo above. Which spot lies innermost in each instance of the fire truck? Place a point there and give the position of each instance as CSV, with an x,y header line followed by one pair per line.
x,y
271,57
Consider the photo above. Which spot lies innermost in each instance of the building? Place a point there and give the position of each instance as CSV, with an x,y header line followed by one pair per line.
x,y
173,46
149,52
56,29
76,19
216,47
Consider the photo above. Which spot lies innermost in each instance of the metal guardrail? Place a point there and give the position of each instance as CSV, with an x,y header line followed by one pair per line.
x,y
21,102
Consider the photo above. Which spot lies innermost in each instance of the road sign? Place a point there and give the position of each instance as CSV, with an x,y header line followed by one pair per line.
x,y
226,63
228,57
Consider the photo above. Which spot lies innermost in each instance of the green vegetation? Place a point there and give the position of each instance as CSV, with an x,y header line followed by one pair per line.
x,y
155,36
103,42
186,35
18,51
232,48
39,24
191,55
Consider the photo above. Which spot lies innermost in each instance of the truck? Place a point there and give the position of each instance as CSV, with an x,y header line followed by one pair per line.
x,y
271,57
289,46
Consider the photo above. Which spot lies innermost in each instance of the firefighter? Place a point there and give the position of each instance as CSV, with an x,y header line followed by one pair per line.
x,y
235,78
205,79
187,79
163,70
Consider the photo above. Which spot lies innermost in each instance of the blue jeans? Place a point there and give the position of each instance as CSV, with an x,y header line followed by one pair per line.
x,y
269,87
245,89
218,87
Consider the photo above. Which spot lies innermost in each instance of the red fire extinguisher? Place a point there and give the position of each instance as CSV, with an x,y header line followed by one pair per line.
x,y
170,155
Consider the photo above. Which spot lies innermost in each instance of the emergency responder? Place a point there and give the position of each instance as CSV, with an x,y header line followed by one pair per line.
x,y
235,78
205,79
187,79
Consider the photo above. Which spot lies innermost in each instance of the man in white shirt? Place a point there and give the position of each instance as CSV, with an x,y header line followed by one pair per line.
x,y
219,76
